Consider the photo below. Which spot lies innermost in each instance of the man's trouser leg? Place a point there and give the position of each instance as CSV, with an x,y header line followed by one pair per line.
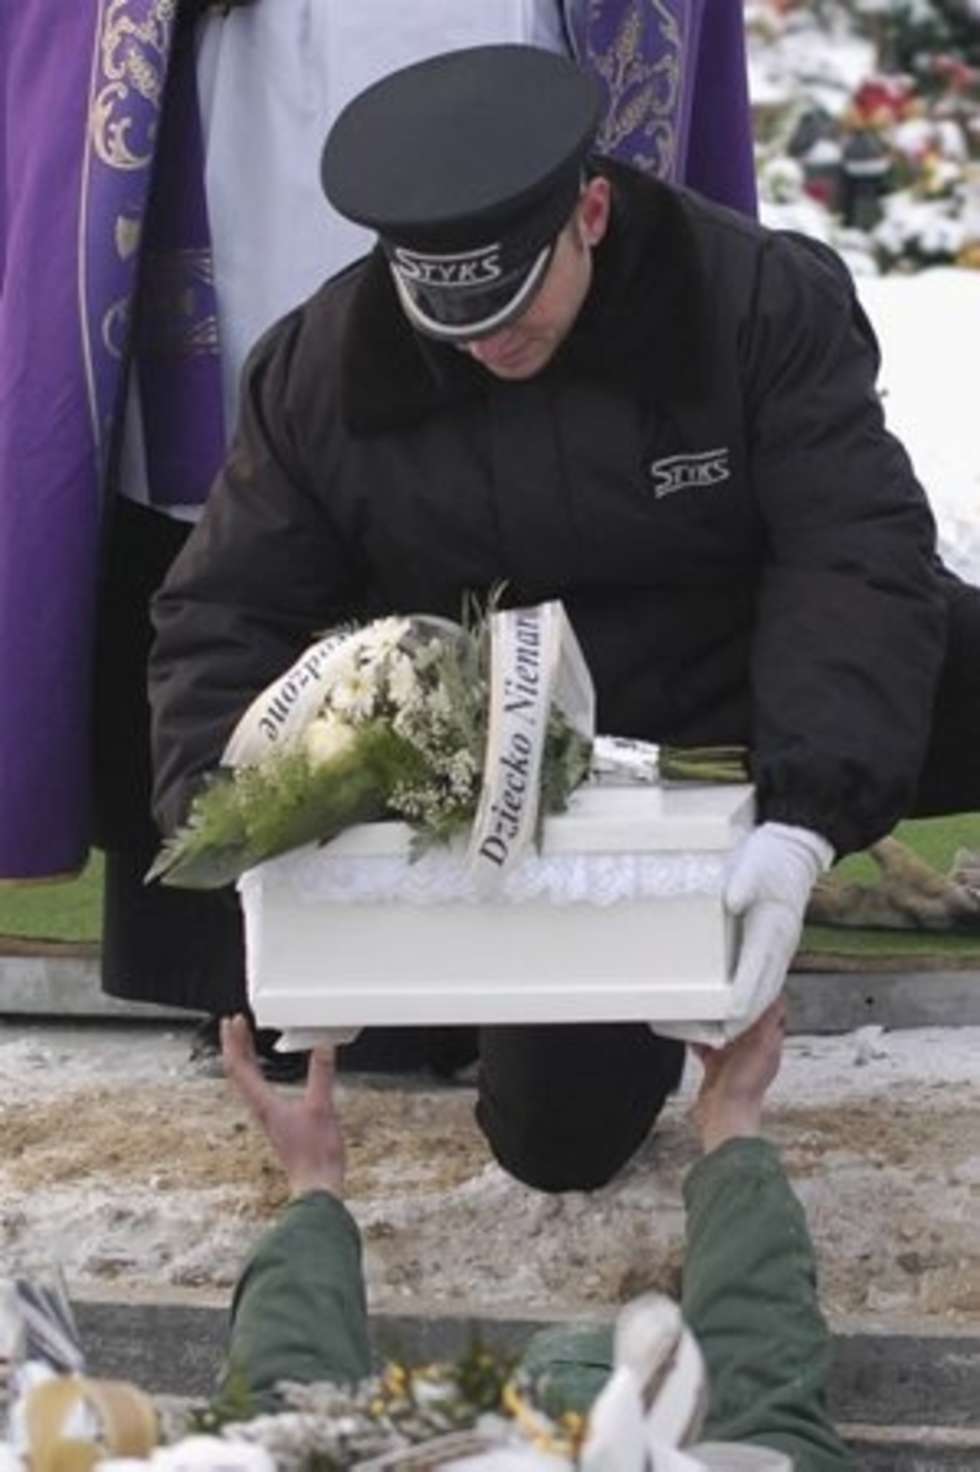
x,y
564,1107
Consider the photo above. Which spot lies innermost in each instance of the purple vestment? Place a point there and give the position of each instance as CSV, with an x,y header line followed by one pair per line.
x,y
63,305
82,86
674,81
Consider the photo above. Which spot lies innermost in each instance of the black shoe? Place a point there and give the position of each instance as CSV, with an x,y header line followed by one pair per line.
x,y
205,1054
442,1051
278,1068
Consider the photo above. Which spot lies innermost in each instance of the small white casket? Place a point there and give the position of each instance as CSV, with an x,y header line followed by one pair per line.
x,y
618,918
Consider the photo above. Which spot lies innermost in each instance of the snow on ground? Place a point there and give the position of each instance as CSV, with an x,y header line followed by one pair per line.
x,y
928,326
143,1179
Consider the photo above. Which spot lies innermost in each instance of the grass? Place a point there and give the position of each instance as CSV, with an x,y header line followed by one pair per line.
x,y
73,911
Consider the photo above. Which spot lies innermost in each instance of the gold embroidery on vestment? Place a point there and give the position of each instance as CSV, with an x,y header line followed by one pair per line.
x,y
171,324
115,328
133,65
128,232
643,95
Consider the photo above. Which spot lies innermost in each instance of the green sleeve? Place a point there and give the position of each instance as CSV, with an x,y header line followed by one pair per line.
x,y
750,1298
568,1365
299,1309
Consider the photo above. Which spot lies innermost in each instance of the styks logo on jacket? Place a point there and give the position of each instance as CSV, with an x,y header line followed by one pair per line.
x,y
689,472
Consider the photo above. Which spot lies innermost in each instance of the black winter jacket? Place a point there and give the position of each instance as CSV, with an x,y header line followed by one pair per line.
x,y
702,475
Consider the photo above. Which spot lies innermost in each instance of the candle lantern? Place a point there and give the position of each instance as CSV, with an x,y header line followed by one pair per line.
x,y
822,172
866,164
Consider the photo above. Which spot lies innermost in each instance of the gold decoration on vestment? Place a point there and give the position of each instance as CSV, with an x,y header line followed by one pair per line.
x,y
133,70
171,324
128,232
115,328
643,95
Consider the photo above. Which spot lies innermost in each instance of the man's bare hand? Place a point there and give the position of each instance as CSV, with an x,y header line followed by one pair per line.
x,y
305,1132
736,1078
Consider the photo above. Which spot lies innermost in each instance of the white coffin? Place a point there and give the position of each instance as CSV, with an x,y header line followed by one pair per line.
x,y
619,918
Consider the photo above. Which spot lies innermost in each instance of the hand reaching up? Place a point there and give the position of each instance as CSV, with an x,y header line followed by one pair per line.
x,y
736,1078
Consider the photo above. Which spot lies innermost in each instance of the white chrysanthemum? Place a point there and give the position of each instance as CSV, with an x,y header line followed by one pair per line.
x,y
355,694
380,638
342,664
403,683
326,738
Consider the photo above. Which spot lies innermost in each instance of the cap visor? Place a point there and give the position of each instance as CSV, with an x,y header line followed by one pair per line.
x,y
455,314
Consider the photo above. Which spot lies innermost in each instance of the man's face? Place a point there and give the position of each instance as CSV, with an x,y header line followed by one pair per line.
x,y
525,346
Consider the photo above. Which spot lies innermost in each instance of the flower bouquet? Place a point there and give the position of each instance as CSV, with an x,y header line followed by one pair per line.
x,y
391,720
474,731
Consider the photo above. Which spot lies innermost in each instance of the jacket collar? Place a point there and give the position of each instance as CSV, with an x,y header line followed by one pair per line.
x,y
642,327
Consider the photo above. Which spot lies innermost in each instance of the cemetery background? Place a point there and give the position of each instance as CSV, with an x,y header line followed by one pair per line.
x,y
147,1183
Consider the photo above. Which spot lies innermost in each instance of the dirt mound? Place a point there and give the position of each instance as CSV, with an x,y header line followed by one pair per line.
x,y
194,1136
128,1169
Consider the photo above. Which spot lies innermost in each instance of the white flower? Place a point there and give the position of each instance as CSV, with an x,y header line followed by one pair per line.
x,y
461,772
380,638
355,693
326,738
403,684
439,705
210,1454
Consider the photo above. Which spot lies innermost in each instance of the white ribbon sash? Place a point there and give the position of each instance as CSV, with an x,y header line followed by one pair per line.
x,y
285,708
535,662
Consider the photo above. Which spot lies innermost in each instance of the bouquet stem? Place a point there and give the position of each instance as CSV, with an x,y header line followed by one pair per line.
x,y
704,764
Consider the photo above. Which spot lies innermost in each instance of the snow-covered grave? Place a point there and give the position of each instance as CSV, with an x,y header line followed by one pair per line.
x,y
144,1181
794,58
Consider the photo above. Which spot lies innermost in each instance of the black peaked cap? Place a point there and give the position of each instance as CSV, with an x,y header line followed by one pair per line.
x,y
461,144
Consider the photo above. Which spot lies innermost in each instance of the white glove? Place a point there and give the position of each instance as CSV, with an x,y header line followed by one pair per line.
x,y
770,878
769,885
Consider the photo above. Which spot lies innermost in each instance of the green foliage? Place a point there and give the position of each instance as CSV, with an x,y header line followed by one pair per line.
x,y
565,766
290,802
272,808
234,1402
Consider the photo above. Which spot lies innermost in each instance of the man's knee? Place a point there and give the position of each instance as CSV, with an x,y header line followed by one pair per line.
x,y
553,1161
555,1148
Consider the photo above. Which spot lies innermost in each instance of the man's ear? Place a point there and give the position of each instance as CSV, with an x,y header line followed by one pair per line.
x,y
595,204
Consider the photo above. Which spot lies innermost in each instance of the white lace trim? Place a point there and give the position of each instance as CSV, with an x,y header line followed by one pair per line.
x,y
440,877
